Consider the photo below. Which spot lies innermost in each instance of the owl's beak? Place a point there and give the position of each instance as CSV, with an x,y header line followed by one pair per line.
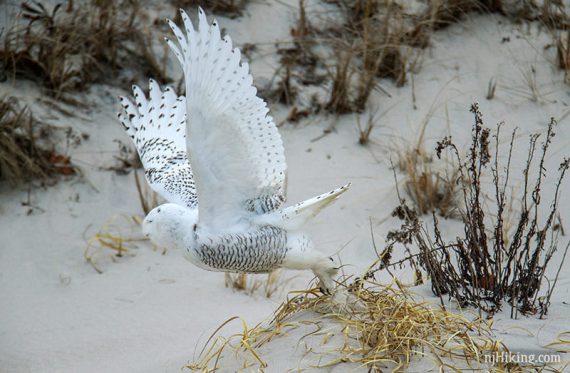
x,y
145,230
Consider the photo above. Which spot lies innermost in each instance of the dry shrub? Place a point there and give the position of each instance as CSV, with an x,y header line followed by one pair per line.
x,y
74,45
27,146
485,268
380,328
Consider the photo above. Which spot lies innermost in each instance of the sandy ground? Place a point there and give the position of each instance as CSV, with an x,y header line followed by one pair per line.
x,y
149,312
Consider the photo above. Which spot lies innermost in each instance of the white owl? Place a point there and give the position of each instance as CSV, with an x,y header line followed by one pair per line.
x,y
217,157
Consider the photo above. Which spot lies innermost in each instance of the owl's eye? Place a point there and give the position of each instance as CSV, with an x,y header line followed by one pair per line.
x,y
158,210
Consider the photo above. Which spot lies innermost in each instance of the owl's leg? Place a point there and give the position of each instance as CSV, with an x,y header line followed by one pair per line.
x,y
301,255
325,269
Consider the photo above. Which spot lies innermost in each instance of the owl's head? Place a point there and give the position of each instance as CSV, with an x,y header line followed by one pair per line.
x,y
170,226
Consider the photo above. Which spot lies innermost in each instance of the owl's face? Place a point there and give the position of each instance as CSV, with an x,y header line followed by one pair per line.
x,y
170,225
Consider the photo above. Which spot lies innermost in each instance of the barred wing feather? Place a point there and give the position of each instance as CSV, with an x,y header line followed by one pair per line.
x,y
157,126
234,146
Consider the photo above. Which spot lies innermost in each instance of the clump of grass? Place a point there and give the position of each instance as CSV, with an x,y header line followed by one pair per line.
x,y
552,13
228,8
348,54
252,284
485,268
284,92
374,46
340,100
121,233
379,328
563,55
368,40
126,160
430,189
491,89
27,147
70,47
114,240
366,131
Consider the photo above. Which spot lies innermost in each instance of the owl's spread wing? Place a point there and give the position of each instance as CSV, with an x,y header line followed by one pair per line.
x,y
235,149
157,126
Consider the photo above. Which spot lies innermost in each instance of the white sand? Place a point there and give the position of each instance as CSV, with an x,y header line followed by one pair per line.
x,y
149,312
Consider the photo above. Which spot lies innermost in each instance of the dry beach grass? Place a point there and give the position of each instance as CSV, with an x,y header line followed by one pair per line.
x,y
369,40
375,327
27,146
68,48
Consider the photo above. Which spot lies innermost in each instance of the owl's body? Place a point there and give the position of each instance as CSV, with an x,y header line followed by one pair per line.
x,y
259,250
218,158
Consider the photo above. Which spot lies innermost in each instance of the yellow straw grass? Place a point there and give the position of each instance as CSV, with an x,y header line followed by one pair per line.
x,y
117,236
251,284
376,328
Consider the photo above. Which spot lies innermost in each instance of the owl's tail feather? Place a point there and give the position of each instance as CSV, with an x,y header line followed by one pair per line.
x,y
293,217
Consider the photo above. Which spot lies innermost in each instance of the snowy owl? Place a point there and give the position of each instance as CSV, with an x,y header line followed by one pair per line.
x,y
217,157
